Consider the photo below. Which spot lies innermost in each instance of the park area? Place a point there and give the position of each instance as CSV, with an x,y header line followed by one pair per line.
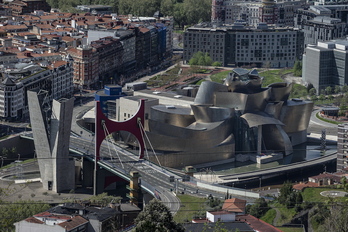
x,y
182,75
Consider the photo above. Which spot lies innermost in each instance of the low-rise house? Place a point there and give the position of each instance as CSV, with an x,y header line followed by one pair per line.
x,y
234,205
325,179
229,221
80,217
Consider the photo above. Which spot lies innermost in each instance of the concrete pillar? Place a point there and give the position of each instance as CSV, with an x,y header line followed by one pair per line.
x,y
63,165
259,139
87,173
134,187
41,140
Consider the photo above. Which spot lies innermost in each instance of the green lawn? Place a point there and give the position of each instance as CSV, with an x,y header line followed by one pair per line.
x,y
219,77
189,207
313,194
326,120
271,76
269,216
285,214
298,91
14,164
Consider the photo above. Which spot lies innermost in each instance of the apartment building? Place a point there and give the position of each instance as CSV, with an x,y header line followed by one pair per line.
x,y
28,6
325,64
62,79
18,78
322,22
110,55
244,46
85,66
252,13
342,147
323,28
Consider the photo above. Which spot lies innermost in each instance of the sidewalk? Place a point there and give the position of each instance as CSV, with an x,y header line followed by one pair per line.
x,y
34,190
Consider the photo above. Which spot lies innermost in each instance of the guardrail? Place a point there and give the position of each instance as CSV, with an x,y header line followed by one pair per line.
x,y
230,190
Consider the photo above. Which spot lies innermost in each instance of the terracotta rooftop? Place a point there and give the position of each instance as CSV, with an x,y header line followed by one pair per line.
x,y
234,205
67,39
301,186
326,176
144,29
34,220
14,27
73,223
47,214
57,64
257,224
48,17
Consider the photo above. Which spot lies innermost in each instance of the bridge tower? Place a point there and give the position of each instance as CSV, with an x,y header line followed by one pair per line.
x,y
134,188
131,125
51,132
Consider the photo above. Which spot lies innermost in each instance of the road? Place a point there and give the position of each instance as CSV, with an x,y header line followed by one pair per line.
x,y
157,178
316,125
124,161
277,170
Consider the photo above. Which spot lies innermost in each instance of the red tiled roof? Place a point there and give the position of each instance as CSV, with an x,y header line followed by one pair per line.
x,y
67,39
144,29
301,186
257,224
34,220
14,27
73,223
50,215
234,205
57,64
325,176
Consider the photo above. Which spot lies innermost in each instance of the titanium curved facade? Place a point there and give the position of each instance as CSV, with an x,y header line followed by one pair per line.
x,y
226,119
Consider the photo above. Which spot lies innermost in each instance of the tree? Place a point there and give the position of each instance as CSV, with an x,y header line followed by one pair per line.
x,y
207,60
337,89
259,208
214,202
216,64
336,220
344,88
318,215
156,217
312,92
285,192
314,98
321,97
298,68
167,7
17,211
104,199
200,58
125,7
179,14
197,11
328,90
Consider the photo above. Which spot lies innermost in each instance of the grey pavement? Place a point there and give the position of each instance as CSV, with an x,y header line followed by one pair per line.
x,y
316,125
34,190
